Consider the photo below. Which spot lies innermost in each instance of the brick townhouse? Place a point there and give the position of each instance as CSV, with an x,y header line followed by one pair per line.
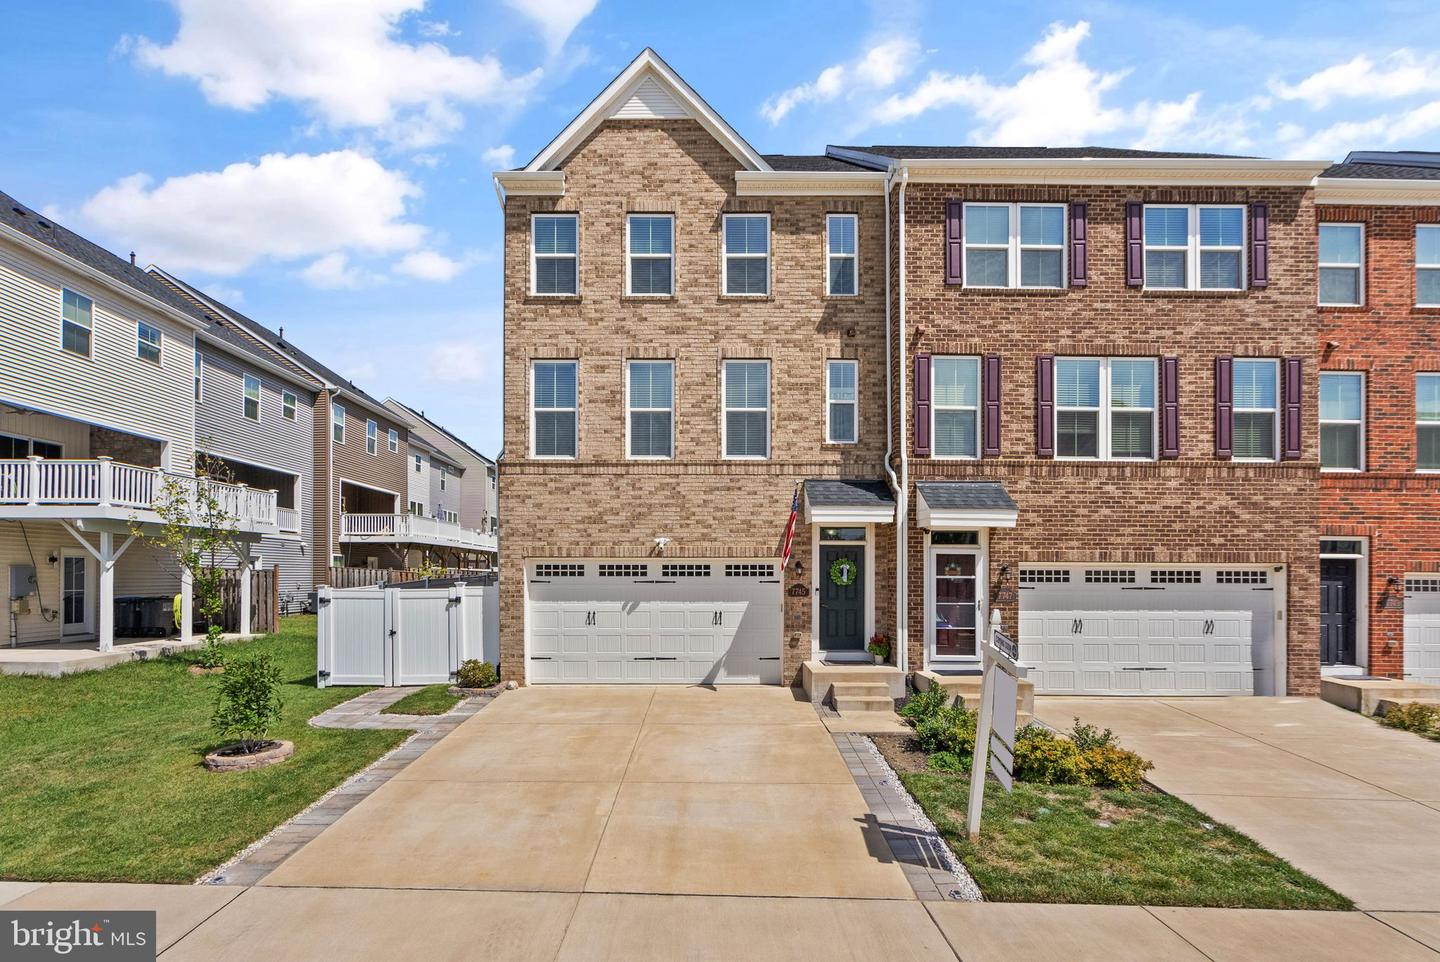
x,y
1082,382
1379,297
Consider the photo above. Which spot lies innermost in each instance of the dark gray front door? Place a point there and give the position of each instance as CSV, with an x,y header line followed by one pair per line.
x,y
842,607
1337,611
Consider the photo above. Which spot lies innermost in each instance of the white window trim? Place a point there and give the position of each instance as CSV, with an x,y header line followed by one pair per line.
x,y
725,409
245,381
535,258
337,422
534,410
288,405
159,344
725,257
1014,248
393,441
1106,411
1418,266
1419,423
1193,248
372,436
935,408
1361,421
830,402
1273,412
1358,268
90,330
630,256
831,256
629,410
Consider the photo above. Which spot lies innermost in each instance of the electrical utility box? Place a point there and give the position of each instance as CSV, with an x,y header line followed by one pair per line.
x,y
22,581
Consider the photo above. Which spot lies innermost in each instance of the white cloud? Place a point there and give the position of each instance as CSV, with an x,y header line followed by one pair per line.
x,y
557,19
340,58
283,207
435,28
1401,74
463,361
501,157
882,66
429,266
334,272
1388,130
1164,122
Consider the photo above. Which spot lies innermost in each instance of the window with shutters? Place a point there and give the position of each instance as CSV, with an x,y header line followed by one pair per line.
x,y
650,397
650,262
554,406
842,273
1255,422
1342,265
1105,408
1342,421
955,407
1015,245
745,422
555,254
745,252
1196,247
1427,265
1427,422
841,401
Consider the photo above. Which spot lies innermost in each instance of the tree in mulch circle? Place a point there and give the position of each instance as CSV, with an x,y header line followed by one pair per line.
x,y
248,704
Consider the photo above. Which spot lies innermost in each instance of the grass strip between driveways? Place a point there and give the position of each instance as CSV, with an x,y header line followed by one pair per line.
x,y
100,776
430,700
1068,843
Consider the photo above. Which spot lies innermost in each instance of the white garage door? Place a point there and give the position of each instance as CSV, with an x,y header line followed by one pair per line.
x,y
1422,630
639,622
1148,630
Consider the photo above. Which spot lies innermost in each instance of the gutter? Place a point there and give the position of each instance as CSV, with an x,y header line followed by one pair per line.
x,y
902,485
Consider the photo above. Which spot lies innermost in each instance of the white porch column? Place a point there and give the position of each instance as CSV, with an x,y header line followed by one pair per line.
x,y
187,604
106,622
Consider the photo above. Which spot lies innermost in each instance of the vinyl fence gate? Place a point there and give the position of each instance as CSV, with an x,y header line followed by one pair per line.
x,y
403,636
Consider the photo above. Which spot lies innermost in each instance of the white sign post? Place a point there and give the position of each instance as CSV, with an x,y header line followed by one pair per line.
x,y
995,732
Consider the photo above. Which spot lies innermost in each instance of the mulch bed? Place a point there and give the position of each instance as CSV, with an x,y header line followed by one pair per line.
x,y
902,752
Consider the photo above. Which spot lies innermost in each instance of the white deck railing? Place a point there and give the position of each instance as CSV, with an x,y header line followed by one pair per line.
x,y
104,483
288,519
414,528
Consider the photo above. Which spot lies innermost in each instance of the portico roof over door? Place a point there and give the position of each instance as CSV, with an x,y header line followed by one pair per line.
x,y
965,504
834,502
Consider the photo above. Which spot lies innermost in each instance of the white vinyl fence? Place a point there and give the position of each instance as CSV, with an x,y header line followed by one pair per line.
x,y
404,636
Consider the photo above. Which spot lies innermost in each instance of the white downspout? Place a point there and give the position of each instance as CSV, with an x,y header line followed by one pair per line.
x,y
890,398
902,494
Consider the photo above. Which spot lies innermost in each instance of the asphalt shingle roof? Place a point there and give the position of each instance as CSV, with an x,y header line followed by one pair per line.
x,y
985,495
923,152
848,494
1382,172
806,162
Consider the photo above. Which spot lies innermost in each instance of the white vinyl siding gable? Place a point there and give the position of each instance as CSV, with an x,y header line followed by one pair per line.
x,y
649,255
555,255
745,255
745,420
650,409
1342,265
955,407
1195,247
554,404
1342,421
1427,265
842,401
842,255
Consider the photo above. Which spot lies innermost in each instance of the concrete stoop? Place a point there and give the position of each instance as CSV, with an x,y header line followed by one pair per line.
x,y
967,688
1365,694
852,688
855,696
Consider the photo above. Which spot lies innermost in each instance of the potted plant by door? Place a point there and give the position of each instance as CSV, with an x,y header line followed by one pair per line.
x,y
879,647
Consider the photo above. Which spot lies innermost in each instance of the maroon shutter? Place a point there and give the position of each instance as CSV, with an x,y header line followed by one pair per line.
x,y
1224,406
1294,389
1045,406
954,242
1134,244
990,382
1079,253
1169,408
1259,245
922,405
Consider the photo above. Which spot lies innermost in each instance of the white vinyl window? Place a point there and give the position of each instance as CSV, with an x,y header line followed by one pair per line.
x,y
842,401
1342,421
555,254
1105,408
1255,422
1342,265
147,342
553,409
250,400
650,255
1427,422
77,319
745,422
955,407
287,406
1194,247
418,462
745,251
394,441
842,273
1427,265
337,422
1015,245
372,437
650,398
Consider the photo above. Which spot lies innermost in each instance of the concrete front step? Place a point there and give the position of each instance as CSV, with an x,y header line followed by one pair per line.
x,y
846,704
818,678
860,689
1365,694
967,687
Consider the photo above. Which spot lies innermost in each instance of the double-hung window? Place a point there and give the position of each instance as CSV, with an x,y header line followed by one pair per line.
x,y
746,418
1255,430
394,441
955,407
77,319
147,342
650,392
1427,265
842,277
553,395
746,254
337,422
841,401
251,397
1342,421
287,406
418,462
372,437
1015,245
555,254
1427,422
199,374
650,259
1195,247
1342,265
1105,408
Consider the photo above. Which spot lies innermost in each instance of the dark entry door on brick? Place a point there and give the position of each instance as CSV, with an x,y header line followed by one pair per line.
x,y
1337,611
842,597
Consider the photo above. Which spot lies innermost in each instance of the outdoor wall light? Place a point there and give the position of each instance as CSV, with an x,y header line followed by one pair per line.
x,y
799,567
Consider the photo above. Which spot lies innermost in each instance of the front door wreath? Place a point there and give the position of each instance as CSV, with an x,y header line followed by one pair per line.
x,y
843,572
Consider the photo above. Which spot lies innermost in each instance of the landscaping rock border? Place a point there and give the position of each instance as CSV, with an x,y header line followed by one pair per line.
x,y
277,752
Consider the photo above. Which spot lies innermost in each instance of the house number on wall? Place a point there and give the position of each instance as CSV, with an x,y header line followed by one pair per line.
x,y
842,572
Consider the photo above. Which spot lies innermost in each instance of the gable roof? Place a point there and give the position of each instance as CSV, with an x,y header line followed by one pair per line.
x,y
921,152
418,419
646,89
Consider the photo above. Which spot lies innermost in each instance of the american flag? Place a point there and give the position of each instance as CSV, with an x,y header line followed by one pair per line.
x,y
790,529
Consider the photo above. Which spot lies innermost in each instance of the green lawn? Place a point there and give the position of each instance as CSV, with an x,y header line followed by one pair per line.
x,y
1054,843
100,775
431,700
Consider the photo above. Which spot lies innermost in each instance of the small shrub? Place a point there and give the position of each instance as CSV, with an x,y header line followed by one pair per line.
x,y
1110,766
1087,737
948,762
925,704
1414,717
1044,757
249,703
474,673
951,730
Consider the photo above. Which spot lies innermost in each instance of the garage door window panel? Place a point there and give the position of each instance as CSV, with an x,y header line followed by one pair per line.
x,y
1342,421
746,422
555,408
651,391
1256,425
955,402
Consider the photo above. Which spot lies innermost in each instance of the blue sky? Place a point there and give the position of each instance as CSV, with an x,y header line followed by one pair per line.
x,y
324,164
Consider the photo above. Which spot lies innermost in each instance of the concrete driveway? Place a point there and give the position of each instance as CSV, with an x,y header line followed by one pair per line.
x,y
1352,803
